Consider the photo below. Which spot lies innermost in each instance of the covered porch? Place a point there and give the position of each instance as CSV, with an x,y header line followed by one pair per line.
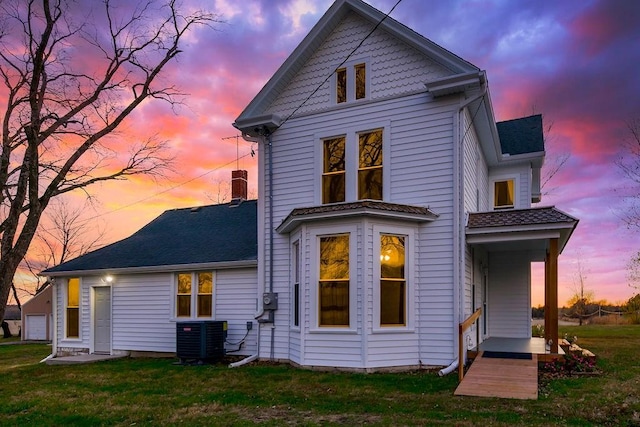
x,y
506,243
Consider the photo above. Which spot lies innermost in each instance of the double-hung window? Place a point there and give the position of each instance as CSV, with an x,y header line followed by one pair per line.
x,y
352,166
295,253
393,282
370,165
73,308
334,172
333,284
194,295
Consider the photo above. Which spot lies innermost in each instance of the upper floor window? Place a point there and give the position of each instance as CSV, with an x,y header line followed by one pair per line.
x,y
333,284
351,83
194,289
370,165
73,308
504,194
333,173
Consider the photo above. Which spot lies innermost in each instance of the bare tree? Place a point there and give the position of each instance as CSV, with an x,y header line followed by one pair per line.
x,y
581,297
629,165
67,232
68,81
633,273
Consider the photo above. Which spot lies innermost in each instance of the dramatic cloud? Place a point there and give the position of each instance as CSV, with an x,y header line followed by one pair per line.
x,y
573,61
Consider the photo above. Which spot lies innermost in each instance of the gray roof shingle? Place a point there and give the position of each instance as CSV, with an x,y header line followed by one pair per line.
x,y
514,217
206,234
520,136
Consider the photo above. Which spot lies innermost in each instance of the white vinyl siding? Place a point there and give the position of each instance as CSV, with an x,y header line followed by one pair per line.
x,y
393,69
522,185
143,310
509,295
421,153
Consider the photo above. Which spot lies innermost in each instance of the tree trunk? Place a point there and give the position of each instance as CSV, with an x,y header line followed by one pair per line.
x,y
5,330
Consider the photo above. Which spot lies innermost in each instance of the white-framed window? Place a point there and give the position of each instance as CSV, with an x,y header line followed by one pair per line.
x,y
296,277
333,294
194,295
72,308
351,82
352,165
504,192
393,291
333,170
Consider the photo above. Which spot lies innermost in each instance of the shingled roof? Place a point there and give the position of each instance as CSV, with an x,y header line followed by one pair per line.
x,y
506,218
498,227
520,136
224,233
374,208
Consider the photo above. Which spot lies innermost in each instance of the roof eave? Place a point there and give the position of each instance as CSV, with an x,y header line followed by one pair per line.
x,y
322,29
293,221
154,269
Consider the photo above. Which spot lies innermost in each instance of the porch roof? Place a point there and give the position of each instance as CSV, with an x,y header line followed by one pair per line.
x,y
528,228
374,208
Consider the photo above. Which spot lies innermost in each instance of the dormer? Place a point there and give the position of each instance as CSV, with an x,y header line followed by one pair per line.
x,y
514,181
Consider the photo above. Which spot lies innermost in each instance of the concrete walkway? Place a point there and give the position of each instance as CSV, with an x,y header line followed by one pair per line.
x,y
82,358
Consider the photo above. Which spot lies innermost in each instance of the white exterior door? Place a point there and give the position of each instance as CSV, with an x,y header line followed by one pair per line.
x,y
102,320
36,325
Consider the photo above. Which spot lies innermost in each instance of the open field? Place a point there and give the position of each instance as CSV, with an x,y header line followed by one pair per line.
x,y
156,392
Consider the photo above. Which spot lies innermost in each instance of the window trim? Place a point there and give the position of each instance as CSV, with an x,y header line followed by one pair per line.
x,y
410,253
79,308
351,135
193,312
492,190
314,300
350,68
296,247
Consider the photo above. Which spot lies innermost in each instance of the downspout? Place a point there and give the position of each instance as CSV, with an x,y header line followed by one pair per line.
x,y
261,310
271,319
458,255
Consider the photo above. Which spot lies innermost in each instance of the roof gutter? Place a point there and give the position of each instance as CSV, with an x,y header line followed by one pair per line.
x,y
153,269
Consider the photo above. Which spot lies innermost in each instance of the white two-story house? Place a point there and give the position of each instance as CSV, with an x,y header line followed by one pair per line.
x,y
392,205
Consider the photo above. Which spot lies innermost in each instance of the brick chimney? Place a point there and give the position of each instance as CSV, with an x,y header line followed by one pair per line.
x,y
239,185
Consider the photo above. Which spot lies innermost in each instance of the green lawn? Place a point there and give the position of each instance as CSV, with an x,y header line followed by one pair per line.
x,y
156,392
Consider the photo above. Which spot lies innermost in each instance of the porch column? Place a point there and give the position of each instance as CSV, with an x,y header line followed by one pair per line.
x,y
551,295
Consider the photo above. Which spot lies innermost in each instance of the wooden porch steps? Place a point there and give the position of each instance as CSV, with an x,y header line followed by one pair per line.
x,y
505,378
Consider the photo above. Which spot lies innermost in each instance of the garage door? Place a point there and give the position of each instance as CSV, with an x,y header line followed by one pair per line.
x,y
36,326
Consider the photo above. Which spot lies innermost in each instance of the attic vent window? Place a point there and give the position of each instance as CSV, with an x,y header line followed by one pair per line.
x,y
351,83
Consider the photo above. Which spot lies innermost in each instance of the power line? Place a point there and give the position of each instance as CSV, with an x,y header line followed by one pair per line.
x,y
340,65
181,184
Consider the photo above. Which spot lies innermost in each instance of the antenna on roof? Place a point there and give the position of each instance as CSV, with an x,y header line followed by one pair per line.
x,y
236,137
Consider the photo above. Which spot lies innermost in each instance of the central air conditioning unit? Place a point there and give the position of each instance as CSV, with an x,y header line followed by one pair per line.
x,y
201,341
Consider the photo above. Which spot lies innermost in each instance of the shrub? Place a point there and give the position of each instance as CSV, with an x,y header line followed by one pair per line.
x,y
571,363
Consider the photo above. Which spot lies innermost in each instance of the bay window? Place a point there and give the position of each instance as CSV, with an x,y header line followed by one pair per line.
x,y
333,283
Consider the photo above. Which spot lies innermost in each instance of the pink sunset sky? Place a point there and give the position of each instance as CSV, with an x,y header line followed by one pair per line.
x,y
575,62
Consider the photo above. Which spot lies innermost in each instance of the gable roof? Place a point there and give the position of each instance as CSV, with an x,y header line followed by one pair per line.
x,y
199,237
521,136
254,114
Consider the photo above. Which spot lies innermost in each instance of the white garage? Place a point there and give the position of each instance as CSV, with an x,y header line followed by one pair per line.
x,y
36,327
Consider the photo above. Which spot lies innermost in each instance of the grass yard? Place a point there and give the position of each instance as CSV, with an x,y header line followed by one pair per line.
x,y
156,392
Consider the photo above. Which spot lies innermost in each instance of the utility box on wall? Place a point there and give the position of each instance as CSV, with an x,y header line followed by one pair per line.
x,y
202,341
270,301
